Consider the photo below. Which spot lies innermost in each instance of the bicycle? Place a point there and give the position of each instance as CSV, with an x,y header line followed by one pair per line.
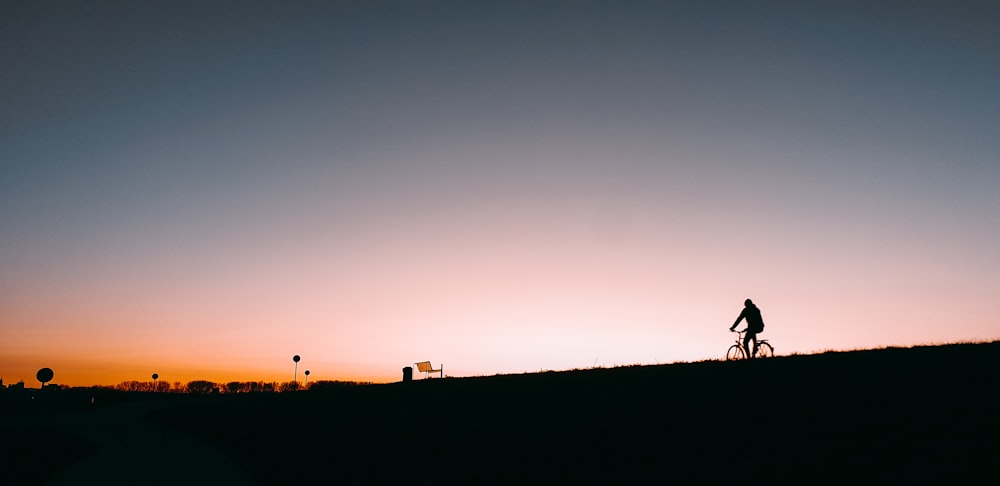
x,y
762,348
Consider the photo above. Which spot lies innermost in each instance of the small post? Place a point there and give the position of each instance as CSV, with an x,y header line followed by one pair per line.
x,y
407,374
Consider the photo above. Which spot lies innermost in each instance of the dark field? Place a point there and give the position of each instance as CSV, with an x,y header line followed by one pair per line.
x,y
925,414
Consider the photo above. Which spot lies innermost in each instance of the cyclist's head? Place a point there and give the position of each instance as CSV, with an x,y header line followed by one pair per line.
x,y
747,303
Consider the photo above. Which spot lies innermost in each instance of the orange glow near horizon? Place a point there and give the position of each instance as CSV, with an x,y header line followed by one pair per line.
x,y
506,307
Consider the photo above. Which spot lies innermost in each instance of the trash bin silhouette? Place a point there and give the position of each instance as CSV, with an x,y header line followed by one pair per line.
x,y
408,373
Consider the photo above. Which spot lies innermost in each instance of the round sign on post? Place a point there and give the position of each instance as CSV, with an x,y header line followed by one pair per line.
x,y
44,375
295,375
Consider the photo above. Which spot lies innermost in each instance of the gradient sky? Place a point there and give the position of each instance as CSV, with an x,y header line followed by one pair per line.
x,y
203,189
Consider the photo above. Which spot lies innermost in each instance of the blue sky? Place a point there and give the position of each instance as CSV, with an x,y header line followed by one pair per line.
x,y
507,186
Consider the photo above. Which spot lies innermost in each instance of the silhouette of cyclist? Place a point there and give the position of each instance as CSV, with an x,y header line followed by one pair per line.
x,y
755,324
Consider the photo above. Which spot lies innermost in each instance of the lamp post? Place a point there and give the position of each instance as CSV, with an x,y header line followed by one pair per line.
x,y
295,376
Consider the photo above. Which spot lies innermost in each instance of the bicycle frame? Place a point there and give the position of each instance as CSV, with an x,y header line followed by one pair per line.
x,y
736,351
757,347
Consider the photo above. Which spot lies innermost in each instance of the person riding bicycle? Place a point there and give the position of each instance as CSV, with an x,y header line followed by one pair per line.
x,y
755,325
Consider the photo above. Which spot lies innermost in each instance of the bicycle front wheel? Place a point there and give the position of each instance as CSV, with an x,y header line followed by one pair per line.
x,y
735,352
765,351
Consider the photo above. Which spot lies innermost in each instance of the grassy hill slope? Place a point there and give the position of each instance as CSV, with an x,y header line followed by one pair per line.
x,y
924,413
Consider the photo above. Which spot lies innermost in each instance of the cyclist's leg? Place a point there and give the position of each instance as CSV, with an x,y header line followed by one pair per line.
x,y
746,343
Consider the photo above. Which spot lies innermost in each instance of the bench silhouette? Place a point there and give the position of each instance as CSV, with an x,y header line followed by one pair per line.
x,y
426,367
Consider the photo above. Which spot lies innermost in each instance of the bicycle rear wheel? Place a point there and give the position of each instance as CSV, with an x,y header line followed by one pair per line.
x,y
735,352
764,350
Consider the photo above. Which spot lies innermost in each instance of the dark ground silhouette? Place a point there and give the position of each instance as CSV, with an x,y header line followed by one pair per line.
x,y
925,414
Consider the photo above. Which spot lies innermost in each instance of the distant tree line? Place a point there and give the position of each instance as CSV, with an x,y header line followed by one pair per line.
x,y
146,386
205,387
